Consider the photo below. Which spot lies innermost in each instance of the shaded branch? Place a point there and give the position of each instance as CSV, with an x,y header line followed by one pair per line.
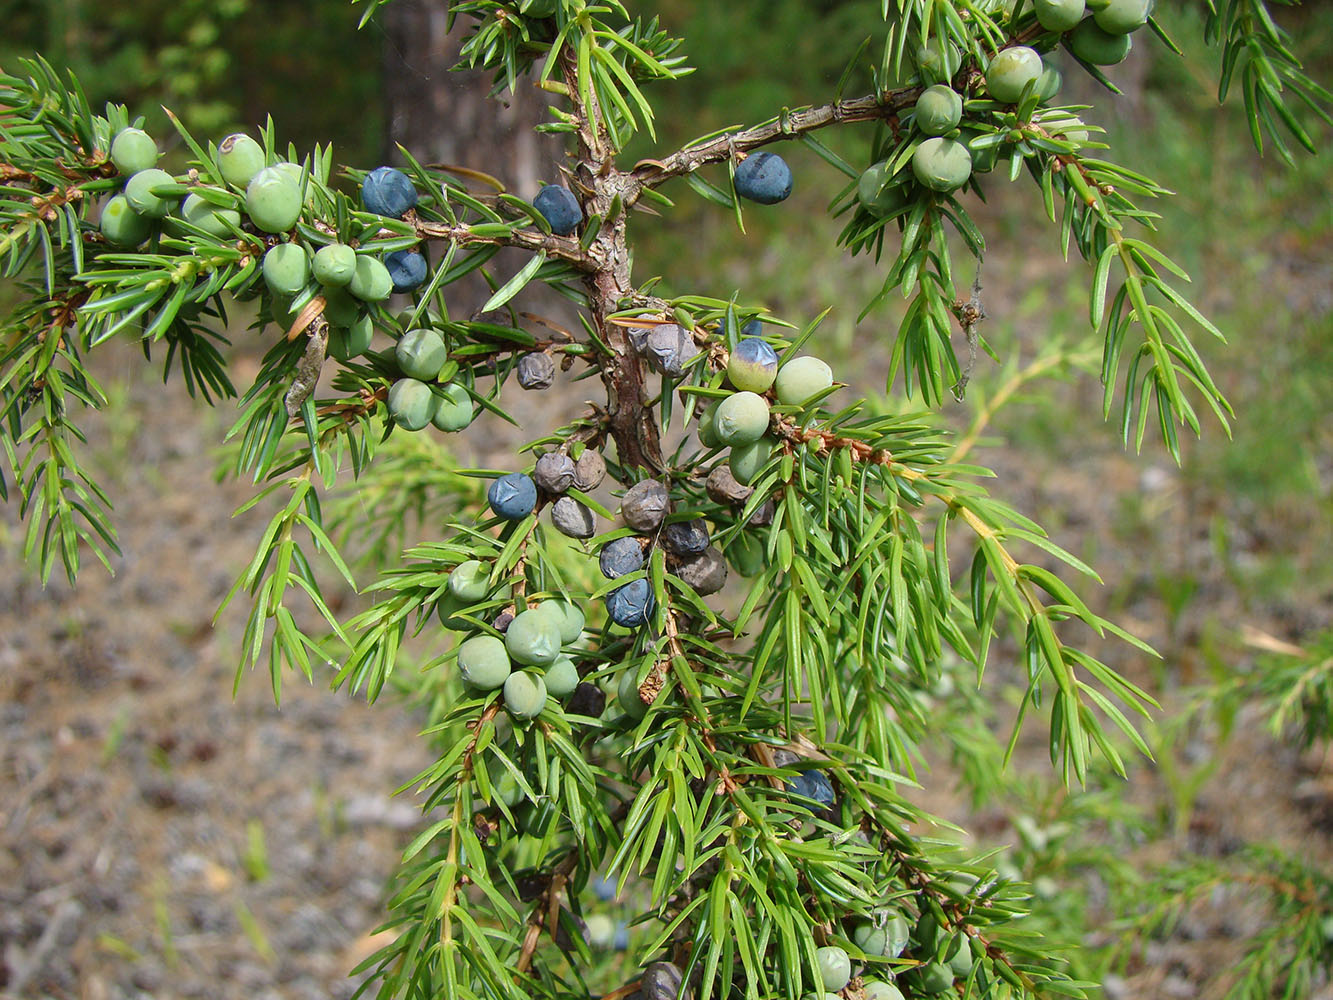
x,y
788,125
562,247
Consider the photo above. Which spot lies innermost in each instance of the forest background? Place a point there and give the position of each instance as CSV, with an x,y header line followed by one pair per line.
x,y
160,839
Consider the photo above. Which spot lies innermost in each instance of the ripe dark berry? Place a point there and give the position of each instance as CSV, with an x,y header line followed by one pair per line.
x,y
632,604
389,192
408,269
764,178
686,538
587,700
813,784
513,496
560,208
620,556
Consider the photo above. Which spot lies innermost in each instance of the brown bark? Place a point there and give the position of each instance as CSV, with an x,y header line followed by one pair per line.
x,y
444,117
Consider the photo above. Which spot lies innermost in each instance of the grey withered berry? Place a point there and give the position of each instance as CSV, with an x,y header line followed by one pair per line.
x,y
723,487
644,505
620,556
554,473
763,516
706,573
686,538
784,758
663,981
666,348
589,471
572,518
536,370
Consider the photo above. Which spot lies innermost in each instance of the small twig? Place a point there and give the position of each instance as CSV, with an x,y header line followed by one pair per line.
x,y
969,314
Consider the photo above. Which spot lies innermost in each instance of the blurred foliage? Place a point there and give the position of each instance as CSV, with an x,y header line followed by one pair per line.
x,y
219,64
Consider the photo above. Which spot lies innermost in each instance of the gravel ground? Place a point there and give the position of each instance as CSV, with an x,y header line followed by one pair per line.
x,y
160,839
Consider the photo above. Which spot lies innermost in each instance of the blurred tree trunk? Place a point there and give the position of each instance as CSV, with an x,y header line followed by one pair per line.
x,y
445,117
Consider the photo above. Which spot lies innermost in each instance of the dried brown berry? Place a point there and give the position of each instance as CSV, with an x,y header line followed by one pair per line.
x,y
723,487
706,573
589,471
